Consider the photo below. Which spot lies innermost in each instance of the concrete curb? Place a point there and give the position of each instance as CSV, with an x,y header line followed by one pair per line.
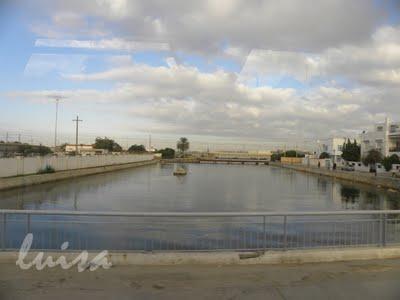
x,y
226,258
388,183
21,181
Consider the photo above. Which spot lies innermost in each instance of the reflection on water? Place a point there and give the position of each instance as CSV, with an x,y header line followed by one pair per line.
x,y
349,194
205,188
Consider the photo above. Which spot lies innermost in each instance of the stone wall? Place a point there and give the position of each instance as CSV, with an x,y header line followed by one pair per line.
x,y
19,166
21,181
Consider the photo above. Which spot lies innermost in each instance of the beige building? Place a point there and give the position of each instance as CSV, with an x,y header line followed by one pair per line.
x,y
242,154
84,149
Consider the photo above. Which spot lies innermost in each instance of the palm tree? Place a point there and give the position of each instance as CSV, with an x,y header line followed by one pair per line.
x,y
182,145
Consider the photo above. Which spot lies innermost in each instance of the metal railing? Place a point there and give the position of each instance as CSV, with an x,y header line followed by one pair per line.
x,y
153,231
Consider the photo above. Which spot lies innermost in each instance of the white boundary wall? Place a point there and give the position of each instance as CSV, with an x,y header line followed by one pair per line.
x,y
31,165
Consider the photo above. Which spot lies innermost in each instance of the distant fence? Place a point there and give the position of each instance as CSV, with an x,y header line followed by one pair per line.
x,y
31,165
258,231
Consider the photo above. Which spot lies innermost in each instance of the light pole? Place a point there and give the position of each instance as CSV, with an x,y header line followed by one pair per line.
x,y
76,133
57,98
55,126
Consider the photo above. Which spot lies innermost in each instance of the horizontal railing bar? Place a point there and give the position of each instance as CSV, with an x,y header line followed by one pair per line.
x,y
355,221
195,214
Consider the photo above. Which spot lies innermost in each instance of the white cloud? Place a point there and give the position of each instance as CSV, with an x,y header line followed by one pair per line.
x,y
103,44
202,26
114,8
375,62
40,64
352,65
179,98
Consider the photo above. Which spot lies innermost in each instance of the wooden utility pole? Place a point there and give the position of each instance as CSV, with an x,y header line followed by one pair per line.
x,y
76,134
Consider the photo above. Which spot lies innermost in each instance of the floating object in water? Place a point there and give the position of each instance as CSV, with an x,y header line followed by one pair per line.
x,y
180,172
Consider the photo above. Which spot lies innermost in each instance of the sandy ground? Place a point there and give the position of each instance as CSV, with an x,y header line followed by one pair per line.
x,y
378,279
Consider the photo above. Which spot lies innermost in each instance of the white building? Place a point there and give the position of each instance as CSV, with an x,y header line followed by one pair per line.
x,y
333,146
84,149
384,137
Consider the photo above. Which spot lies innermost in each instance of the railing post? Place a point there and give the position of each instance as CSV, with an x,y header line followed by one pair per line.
x,y
264,235
285,232
382,230
28,223
3,232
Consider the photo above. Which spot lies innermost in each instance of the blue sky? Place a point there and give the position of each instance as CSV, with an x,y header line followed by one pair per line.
x,y
235,71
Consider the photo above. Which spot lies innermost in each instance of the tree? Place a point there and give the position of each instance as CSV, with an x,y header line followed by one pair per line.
x,y
324,155
351,151
167,153
27,150
43,150
182,145
395,159
107,144
137,149
63,146
276,156
373,157
388,161
293,153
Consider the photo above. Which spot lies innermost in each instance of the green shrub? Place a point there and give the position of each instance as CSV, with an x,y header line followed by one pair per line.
x,y
324,155
46,170
388,161
167,153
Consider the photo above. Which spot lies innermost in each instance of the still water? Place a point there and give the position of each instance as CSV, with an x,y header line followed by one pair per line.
x,y
206,188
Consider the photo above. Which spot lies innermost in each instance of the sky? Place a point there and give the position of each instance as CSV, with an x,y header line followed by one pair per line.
x,y
234,72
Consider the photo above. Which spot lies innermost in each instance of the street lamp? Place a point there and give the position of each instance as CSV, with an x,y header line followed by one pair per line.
x,y
57,98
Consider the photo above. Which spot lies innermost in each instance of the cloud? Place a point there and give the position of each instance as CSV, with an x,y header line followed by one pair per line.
x,y
343,57
179,98
40,64
103,44
204,26
376,62
184,82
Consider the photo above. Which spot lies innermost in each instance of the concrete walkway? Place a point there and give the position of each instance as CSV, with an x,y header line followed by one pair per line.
x,y
360,177
379,279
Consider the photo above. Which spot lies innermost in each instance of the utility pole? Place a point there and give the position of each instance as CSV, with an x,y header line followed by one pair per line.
x,y
76,134
150,142
55,127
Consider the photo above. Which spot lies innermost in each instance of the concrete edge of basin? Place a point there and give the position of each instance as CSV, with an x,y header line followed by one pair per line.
x,y
9,183
225,258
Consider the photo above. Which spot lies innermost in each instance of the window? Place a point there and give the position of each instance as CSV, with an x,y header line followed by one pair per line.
x,y
379,128
394,128
379,143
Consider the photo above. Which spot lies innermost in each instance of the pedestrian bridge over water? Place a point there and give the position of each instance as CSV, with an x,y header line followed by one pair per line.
x,y
256,161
